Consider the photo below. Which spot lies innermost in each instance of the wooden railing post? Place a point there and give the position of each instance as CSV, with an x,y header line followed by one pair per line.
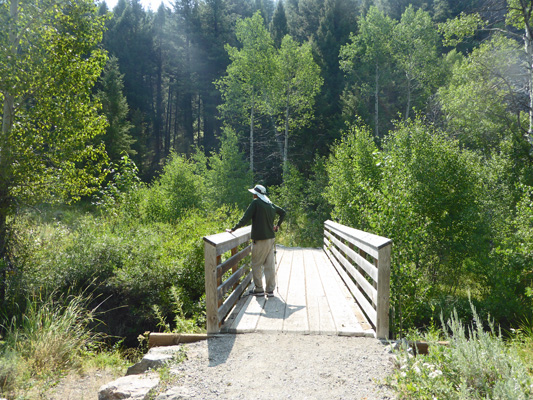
x,y
221,296
211,301
383,304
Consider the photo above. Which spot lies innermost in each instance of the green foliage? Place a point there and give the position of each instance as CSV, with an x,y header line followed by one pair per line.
x,y
306,207
248,76
518,13
278,25
366,62
457,29
49,63
177,190
478,100
414,46
48,338
121,194
181,323
475,365
227,174
353,172
296,83
132,263
117,138
424,192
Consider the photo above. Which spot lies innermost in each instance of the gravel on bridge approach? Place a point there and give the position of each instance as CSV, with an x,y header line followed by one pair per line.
x,y
282,366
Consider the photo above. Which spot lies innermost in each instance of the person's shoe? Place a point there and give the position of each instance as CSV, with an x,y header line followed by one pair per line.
x,y
256,292
270,294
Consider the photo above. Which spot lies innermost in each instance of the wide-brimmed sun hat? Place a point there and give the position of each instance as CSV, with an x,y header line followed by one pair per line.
x,y
261,192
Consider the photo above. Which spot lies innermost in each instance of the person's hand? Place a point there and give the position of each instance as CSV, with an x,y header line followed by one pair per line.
x,y
276,228
229,230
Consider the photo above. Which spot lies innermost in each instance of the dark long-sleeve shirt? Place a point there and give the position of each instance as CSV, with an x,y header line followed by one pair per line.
x,y
262,215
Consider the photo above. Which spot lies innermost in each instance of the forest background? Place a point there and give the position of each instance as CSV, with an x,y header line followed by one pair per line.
x,y
408,119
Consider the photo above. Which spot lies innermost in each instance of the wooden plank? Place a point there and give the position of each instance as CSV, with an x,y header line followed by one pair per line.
x,y
365,238
235,318
349,272
368,267
365,305
295,312
362,321
226,241
233,298
372,251
345,321
233,260
248,318
231,281
319,314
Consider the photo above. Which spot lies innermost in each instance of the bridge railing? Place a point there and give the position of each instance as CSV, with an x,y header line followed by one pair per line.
x,y
363,262
218,302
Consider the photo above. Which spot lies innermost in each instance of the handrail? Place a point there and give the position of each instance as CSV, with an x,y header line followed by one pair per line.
x,y
215,290
349,251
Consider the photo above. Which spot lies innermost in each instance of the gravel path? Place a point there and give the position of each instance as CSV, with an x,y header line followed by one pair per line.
x,y
282,366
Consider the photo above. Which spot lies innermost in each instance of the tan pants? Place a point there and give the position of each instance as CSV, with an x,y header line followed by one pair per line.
x,y
263,256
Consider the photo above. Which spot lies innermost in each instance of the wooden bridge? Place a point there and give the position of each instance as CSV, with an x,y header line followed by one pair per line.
x,y
342,289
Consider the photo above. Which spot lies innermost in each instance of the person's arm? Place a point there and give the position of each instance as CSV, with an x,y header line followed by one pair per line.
x,y
281,212
246,217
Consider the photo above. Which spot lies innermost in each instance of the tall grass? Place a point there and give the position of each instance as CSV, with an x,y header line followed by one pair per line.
x,y
47,339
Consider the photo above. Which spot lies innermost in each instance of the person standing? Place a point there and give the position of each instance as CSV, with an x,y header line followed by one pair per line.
x,y
262,212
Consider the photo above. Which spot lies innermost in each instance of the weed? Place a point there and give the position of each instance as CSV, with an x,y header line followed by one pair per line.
x,y
48,339
477,364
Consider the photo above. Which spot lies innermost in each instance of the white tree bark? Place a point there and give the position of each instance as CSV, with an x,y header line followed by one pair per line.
x,y
286,147
252,135
528,42
376,99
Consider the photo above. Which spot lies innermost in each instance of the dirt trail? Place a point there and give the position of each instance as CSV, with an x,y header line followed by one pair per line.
x,y
282,366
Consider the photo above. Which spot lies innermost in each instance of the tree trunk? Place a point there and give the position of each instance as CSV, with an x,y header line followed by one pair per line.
x,y
376,102
8,117
158,118
408,105
528,42
168,120
286,147
252,136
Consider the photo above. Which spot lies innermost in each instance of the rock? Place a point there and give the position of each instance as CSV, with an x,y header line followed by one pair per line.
x,y
156,357
129,387
176,393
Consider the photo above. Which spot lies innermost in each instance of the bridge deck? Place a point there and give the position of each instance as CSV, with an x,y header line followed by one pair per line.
x,y
311,299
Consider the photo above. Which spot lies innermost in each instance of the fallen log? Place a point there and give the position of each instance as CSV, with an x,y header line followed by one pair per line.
x,y
170,339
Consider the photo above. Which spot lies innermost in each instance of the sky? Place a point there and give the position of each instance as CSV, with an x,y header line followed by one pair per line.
x,y
147,4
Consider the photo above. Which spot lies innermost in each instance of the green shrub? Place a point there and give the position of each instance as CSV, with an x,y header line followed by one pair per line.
x,y
477,364
177,190
424,192
120,197
131,264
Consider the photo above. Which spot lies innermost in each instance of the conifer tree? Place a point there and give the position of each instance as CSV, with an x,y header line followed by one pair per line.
x,y
278,25
117,138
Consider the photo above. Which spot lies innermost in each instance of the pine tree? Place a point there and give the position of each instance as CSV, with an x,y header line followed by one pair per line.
x,y
117,138
278,25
